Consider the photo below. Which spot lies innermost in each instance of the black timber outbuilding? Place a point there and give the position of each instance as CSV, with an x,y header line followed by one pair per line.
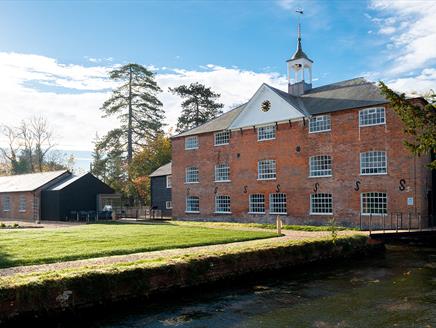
x,y
75,193
160,185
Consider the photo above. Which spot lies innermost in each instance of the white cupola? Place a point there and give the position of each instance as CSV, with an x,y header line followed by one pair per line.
x,y
299,68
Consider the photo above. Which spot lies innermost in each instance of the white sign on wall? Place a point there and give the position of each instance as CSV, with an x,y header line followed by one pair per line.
x,y
410,201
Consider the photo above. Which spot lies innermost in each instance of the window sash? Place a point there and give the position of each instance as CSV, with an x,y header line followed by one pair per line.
x,y
374,203
222,172
373,163
266,169
221,138
222,204
266,132
168,178
192,175
6,203
321,203
320,123
277,203
256,204
191,142
22,204
320,166
372,116
168,205
192,204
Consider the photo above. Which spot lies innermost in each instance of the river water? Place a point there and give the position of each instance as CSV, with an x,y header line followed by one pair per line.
x,y
397,289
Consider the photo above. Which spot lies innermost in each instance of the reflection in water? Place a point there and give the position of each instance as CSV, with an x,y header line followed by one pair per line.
x,y
395,290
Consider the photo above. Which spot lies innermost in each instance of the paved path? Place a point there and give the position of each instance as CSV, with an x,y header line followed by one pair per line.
x,y
288,234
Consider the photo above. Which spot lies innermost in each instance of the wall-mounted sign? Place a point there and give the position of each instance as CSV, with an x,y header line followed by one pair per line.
x,y
410,201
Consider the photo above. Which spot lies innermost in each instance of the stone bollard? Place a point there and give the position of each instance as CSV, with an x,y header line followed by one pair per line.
x,y
279,225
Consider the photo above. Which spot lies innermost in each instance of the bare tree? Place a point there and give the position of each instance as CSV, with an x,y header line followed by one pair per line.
x,y
10,152
42,136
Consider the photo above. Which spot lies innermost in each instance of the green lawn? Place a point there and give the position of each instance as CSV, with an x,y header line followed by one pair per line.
x,y
48,245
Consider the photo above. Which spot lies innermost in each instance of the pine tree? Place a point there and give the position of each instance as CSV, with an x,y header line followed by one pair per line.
x,y
419,120
199,107
136,106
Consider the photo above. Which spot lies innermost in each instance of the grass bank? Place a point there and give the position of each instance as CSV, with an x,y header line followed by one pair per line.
x,y
49,245
47,292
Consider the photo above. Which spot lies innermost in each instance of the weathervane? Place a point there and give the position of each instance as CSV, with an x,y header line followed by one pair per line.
x,y
299,11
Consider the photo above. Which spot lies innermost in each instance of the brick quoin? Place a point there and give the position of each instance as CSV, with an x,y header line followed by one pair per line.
x,y
344,143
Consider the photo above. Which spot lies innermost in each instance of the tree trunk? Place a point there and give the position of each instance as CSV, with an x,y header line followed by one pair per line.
x,y
129,128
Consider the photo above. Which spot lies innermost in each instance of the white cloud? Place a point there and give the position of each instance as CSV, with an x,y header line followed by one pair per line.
x,y
70,95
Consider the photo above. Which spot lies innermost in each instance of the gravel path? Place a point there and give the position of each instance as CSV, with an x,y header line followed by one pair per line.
x,y
288,234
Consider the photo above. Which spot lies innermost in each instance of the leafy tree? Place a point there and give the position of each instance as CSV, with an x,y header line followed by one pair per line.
x,y
199,105
136,106
419,120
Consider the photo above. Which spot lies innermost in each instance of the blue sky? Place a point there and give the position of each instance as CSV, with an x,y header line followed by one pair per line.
x,y
54,55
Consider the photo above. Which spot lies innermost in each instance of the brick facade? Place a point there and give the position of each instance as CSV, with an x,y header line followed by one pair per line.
x,y
31,211
343,143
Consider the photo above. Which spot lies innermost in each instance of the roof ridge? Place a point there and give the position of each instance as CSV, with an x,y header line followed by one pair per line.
x,y
33,173
336,85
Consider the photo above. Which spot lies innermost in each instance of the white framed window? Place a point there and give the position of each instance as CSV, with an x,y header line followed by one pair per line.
x,y
372,116
256,204
168,204
266,169
222,173
192,204
22,204
321,203
168,181
221,138
266,132
320,123
373,163
6,203
374,203
222,204
277,203
191,142
320,166
191,175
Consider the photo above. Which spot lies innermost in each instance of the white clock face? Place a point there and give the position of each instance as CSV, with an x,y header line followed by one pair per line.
x,y
266,106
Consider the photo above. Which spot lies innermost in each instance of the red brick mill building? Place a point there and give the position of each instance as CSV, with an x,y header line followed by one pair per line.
x,y
308,154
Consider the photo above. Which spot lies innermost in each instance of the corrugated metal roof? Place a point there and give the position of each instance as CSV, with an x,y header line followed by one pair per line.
x,y
28,182
221,122
64,183
163,170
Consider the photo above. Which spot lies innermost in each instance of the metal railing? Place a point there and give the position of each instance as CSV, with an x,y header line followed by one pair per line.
x,y
397,221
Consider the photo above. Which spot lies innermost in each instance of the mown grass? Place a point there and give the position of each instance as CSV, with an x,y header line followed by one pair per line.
x,y
48,245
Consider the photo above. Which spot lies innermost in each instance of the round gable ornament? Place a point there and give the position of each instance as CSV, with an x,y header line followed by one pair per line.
x,y
266,106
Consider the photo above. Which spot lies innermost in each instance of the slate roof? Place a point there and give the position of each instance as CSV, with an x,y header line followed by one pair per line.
x,y
221,122
348,94
28,182
163,170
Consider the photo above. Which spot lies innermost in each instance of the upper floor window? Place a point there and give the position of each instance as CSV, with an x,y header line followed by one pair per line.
x,y
373,162
168,181
266,169
256,204
372,116
374,203
321,203
266,132
320,166
191,142
320,123
222,138
222,204
277,203
22,203
192,175
168,204
6,203
192,204
222,172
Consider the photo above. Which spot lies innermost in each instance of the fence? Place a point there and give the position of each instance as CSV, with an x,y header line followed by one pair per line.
x,y
396,221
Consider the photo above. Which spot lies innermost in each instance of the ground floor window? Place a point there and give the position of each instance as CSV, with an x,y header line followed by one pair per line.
x,y
22,203
374,203
277,203
321,203
6,203
222,204
192,204
256,203
168,204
